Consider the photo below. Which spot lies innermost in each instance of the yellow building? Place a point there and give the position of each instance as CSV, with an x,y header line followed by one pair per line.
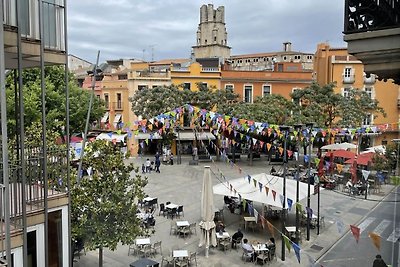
x,y
195,75
336,65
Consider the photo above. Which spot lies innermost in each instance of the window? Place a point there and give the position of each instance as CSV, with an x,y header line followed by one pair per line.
x,y
266,90
186,86
155,86
368,119
280,67
229,87
205,41
284,58
142,87
202,86
123,77
346,92
107,100
248,93
119,101
370,92
347,72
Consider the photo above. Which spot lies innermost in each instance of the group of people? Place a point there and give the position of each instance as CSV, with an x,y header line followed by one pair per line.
x,y
251,253
357,188
148,166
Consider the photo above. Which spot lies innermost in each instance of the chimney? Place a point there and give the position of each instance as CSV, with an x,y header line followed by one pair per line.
x,y
287,46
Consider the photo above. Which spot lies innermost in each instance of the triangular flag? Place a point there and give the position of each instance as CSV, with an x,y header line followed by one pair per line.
x,y
260,186
290,203
270,228
299,207
376,239
365,174
268,146
355,231
266,190
339,167
296,249
273,194
255,182
287,241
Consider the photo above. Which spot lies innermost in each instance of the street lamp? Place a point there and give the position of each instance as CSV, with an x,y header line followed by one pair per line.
x,y
179,159
309,127
285,130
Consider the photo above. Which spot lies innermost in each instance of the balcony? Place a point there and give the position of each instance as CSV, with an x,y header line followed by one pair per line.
x,y
372,32
52,16
398,103
369,80
348,79
210,69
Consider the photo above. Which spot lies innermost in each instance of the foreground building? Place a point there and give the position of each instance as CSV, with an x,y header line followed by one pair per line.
x,y
337,65
34,228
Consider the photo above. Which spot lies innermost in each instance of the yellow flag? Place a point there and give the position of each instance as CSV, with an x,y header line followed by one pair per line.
x,y
287,242
376,239
268,146
339,168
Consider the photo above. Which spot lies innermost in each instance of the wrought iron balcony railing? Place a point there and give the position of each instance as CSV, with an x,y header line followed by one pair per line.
x,y
371,15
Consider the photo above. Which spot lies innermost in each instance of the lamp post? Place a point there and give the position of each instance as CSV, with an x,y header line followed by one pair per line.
x,y
285,130
298,128
179,159
309,127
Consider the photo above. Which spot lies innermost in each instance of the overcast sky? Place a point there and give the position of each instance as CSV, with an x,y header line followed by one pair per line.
x,y
126,28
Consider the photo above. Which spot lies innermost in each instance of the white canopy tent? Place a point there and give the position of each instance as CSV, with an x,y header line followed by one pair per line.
x,y
339,146
248,191
112,136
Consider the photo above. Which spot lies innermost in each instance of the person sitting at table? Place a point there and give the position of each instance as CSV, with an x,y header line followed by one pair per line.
x,y
270,243
248,249
148,218
236,238
220,227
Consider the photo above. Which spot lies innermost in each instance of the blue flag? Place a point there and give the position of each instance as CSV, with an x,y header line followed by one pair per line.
x,y
296,249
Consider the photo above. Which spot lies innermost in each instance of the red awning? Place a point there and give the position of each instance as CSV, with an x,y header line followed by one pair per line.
x,y
362,159
344,154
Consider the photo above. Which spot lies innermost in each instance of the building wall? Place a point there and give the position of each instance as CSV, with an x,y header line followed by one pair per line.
x,y
281,83
195,73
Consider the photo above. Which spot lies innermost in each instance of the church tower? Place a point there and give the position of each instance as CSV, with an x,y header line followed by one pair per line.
x,y
212,38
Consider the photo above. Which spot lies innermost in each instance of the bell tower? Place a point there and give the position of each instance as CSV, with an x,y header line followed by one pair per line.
x,y
212,37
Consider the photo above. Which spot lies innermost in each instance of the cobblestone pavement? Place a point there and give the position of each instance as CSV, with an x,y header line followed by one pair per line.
x,y
181,184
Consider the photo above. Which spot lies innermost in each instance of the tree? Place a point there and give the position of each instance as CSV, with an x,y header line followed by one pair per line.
x,y
104,205
55,100
320,104
152,102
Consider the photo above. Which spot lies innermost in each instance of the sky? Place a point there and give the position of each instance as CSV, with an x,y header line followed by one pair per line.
x,y
164,29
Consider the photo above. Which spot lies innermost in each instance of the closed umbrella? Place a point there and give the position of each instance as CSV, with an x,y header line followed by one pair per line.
x,y
207,224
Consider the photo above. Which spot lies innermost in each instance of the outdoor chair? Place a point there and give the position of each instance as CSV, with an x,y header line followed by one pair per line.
x,y
235,242
272,254
169,260
184,231
145,250
181,262
179,212
133,248
245,256
162,210
172,213
167,203
225,243
192,257
156,246
263,257
192,227
174,228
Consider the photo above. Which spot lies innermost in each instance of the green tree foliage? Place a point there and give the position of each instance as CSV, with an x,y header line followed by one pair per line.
x,y
55,100
152,102
104,205
320,104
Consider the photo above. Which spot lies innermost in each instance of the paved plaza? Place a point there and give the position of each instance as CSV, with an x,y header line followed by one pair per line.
x,y
181,184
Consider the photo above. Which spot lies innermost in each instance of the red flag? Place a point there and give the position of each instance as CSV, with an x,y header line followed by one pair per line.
x,y
355,231
273,194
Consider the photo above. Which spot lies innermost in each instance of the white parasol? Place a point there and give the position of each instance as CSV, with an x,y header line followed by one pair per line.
x,y
207,224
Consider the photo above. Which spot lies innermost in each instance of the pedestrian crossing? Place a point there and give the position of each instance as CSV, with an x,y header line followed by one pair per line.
x,y
382,227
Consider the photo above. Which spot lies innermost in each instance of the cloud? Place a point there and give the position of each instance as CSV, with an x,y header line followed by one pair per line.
x,y
167,29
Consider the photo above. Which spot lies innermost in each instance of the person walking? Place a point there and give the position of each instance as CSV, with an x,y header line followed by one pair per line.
x,y
148,166
157,162
379,262
171,159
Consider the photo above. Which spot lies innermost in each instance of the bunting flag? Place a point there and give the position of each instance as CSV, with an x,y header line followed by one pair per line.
x,y
299,207
266,190
355,231
260,185
282,198
365,174
271,228
255,182
268,146
306,158
249,178
376,239
290,203
287,241
280,150
274,194
296,249
339,167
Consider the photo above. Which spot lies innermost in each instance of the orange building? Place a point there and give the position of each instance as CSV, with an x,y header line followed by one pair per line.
x,y
336,65
286,78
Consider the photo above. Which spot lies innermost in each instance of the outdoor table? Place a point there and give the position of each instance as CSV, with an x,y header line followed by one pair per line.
x,y
247,220
180,253
144,262
148,199
221,236
260,247
290,229
182,223
143,241
171,206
